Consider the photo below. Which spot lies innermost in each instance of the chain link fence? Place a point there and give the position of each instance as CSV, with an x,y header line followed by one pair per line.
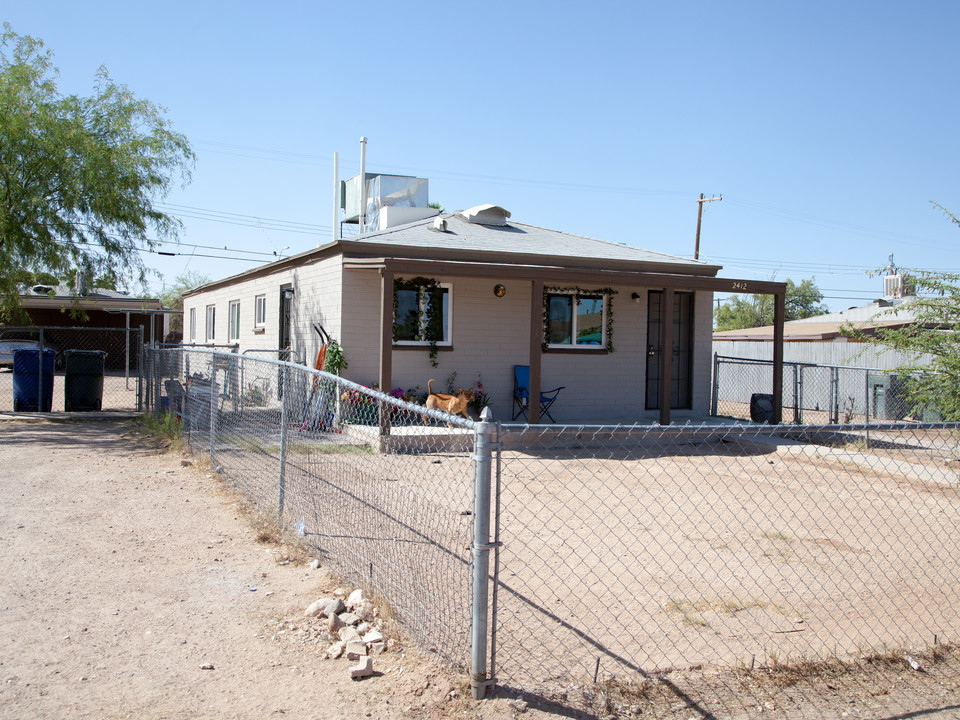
x,y
812,394
670,555
72,369
635,557
393,512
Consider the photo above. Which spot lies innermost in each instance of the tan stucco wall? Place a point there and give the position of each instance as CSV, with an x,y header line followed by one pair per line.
x,y
491,335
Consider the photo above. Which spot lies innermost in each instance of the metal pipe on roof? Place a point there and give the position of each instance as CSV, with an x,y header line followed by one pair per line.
x,y
363,185
336,196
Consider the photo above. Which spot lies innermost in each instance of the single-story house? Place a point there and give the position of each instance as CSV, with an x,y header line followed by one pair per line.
x,y
49,306
582,313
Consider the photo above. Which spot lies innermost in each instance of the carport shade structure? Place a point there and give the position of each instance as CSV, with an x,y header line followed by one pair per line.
x,y
389,268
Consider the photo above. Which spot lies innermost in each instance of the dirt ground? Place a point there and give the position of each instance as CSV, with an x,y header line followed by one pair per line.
x,y
126,573
135,587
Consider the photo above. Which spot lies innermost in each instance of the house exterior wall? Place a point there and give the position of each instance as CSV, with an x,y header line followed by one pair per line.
x,y
490,335
317,298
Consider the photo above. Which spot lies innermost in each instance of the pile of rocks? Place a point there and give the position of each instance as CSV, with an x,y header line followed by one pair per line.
x,y
355,627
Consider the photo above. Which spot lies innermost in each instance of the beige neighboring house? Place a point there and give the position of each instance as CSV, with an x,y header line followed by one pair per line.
x,y
582,313
820,340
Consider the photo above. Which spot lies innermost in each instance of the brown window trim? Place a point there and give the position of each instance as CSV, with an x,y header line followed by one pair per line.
x,y
440,348
577,351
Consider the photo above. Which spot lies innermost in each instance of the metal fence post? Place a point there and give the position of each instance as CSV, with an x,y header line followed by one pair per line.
x,y
796,397
156,361
40,376
213,403
716,385
835,395
140,369
281,483
866,408
481,555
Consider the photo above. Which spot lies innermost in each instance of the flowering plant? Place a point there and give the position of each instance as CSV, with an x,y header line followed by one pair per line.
x,y
352,396
480,397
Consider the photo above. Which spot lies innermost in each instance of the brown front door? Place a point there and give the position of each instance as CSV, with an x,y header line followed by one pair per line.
x,y
682,362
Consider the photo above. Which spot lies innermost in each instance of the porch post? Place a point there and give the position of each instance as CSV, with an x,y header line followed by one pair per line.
x,y
666,355
536,340
779,300
386,344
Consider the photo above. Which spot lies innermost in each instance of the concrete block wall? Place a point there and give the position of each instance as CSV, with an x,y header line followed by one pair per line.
x,y
317,298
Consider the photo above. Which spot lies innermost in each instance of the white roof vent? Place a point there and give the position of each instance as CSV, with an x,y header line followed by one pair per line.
x,y
486,215
440,224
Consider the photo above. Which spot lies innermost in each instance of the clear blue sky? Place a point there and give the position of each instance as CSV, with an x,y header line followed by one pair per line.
x,y
828,127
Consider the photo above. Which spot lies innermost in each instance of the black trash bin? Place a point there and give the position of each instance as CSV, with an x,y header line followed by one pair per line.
x,y
83,380
27,377
761,408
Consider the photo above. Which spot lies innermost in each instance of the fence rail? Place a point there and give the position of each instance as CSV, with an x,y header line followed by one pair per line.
x,y
617,552
813,394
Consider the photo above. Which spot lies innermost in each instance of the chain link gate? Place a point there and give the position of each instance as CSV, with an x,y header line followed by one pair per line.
x,y
71,369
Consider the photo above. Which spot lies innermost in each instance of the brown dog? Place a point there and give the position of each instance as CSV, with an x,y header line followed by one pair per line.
x,y
452,404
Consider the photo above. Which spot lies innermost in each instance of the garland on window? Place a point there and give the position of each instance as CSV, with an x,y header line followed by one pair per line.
x,y
426,288
606,293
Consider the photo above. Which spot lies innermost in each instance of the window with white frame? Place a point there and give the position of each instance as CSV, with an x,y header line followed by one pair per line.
x,y
422,313
574,320
260,311
233,321
211,323
193,324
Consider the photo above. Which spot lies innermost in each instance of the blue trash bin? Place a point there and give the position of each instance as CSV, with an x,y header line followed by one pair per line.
x,y
26,380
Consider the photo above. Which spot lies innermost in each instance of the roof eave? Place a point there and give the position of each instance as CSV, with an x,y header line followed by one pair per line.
x,y
365,249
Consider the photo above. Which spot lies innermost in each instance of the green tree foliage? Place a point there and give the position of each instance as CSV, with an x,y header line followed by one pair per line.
x,y
739,312
79,176
172,297
934,333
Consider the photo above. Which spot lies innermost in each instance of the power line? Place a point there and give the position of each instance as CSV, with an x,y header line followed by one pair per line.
x,y
228,218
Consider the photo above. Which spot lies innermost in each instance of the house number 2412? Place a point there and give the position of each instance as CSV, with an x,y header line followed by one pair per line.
x,y
740,286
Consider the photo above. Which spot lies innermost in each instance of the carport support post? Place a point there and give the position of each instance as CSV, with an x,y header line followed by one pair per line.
x,y
482,457
779,299
281,483
536,351
386,345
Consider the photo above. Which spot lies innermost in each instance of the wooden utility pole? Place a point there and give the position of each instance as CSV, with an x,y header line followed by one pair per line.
x,y
700,202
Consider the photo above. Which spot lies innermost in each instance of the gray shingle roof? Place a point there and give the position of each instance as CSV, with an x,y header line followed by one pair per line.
x,y
522,240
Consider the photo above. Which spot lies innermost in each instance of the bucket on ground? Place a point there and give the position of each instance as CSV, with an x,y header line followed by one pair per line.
x,y
27,377
83,380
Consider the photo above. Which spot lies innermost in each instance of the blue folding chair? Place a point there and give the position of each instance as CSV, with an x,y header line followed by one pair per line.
x,y
521,394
